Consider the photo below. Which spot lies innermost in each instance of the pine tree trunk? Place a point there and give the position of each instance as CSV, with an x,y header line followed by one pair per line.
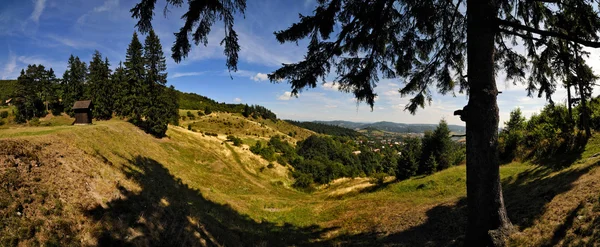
x,y
569,103
584,111
487,218
582,95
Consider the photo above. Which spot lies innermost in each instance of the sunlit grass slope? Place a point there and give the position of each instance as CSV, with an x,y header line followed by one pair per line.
x,y
112,184
249,129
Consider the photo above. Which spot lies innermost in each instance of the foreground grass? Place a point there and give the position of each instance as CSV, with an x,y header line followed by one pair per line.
x,y
118,185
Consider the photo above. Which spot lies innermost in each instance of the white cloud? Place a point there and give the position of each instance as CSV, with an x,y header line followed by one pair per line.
x,y
108,5
9,67
38,10
391,93
331,86
260,77
285,96
238,100
331,106
185,74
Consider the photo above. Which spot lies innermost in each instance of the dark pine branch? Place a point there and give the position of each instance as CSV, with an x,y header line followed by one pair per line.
x,y
519,26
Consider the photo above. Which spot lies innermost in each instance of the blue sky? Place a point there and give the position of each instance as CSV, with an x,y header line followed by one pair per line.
x,y
48,31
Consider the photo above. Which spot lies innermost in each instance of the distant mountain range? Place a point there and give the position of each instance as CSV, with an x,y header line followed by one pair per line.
x,y
392,127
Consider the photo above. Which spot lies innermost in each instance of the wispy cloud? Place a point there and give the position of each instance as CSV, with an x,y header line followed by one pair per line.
x,y
108,5
9,67
77,44
38,10
260,77
285,96
237,100
186,74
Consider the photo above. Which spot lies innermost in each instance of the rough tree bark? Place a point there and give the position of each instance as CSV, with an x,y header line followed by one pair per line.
x,y
584,117
487,218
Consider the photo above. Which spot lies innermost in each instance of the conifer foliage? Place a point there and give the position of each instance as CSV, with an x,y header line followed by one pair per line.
x,y
73,83
35,92
99,88
136,90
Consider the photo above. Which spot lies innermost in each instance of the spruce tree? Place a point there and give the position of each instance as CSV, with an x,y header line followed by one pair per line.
x,y
99,87
34,89
136,89
157,111
120,89
73,83
431,45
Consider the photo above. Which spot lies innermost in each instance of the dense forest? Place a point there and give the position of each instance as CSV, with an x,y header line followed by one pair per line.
x,y
326,128
136,90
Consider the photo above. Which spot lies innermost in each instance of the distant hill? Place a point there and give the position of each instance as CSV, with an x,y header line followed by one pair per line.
x,y
392,127
326,128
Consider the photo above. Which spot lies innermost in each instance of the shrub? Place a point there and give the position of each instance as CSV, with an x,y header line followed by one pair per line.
x,y
189,127
270,166
34,121
236,141
303,180
190,115
4,114
378,178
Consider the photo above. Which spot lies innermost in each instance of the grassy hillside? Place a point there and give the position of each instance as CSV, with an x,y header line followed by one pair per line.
x,y
249,129
112,184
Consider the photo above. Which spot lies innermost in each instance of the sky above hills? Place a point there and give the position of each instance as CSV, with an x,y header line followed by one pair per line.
x,y
48,31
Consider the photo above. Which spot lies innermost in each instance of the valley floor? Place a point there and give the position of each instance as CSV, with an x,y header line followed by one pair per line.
x,y
112,184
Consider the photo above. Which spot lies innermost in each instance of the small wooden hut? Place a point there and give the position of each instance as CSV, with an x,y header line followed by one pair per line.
x,y
83,112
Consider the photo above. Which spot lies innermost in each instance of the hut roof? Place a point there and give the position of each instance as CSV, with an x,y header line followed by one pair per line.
x,y
82,104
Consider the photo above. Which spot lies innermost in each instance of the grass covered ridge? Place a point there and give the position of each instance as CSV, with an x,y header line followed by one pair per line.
x,y
112,184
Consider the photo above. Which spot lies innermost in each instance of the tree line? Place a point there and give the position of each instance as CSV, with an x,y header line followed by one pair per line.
x,y
327,129
135,90
192,101
321,159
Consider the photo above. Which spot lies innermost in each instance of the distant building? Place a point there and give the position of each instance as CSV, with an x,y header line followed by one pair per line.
x,y
376,150
83,112
356,152
8,102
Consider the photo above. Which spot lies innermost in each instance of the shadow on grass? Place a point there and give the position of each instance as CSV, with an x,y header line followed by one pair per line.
x,y
167,212
527,195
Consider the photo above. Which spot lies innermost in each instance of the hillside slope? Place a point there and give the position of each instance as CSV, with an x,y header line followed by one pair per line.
x,y
112,184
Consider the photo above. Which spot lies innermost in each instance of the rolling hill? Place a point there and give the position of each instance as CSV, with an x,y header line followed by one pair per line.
x,y
393,127
112,184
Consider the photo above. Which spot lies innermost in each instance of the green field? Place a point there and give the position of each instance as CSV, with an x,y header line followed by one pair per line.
x,y
115,185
